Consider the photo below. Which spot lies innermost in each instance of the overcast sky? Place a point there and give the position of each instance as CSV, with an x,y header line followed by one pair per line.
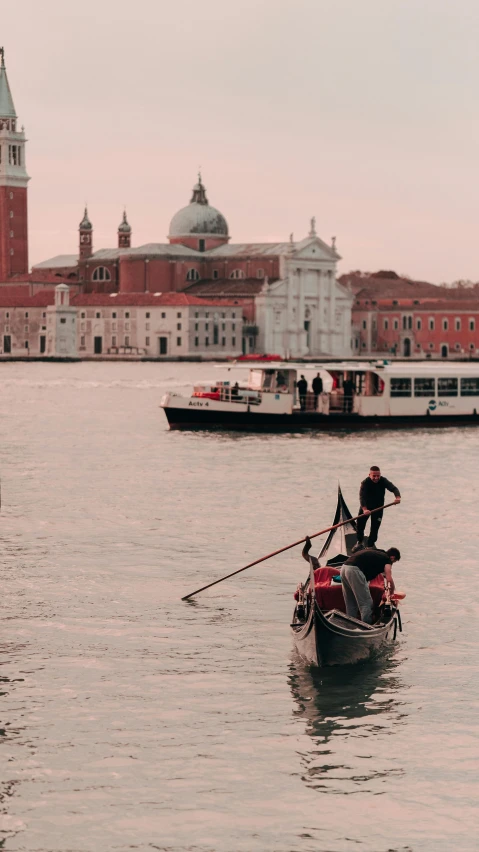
x,y
363,113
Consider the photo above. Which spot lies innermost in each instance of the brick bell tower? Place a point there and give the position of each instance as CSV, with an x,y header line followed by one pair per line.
x,y
13,186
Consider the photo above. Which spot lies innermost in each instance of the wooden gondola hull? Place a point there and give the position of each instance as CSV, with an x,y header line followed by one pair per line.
x,y
324,644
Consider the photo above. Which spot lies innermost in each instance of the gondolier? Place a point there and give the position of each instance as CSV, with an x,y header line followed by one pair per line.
x,y
371,496
356,574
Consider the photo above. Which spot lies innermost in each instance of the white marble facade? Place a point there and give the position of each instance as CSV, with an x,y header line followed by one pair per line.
x,y
307,312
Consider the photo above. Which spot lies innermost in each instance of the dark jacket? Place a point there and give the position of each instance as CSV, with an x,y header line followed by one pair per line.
x,y
371,494
317,385
302,386
370,562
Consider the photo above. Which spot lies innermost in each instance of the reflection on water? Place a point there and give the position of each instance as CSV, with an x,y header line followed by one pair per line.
x,y
351,712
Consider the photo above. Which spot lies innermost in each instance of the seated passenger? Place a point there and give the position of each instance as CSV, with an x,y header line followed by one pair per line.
x,y
356,574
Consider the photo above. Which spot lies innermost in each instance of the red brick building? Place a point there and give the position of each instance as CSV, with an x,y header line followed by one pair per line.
x,y
396,316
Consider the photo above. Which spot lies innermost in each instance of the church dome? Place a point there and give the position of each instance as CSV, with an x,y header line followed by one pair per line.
x,y
124,227
198,218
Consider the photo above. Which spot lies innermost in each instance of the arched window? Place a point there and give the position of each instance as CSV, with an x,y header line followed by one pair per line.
x,y
237,273
101,273
192,275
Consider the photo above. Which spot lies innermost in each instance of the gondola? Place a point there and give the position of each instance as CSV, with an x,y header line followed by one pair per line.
x,y
324,635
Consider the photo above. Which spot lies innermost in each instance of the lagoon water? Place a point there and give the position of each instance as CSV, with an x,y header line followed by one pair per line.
x,y
133,721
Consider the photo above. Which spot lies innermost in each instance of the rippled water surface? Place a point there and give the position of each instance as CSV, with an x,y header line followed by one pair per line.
x,y
131,720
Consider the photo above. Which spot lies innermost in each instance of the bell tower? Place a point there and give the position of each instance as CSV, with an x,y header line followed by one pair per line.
x,y
13,186
124,233
85,236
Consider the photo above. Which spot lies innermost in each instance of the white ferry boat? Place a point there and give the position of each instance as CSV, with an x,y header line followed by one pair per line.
x,y
354,395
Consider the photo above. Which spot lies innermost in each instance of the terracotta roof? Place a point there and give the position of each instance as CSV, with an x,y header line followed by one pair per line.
x,y
19,297
222,288
142,299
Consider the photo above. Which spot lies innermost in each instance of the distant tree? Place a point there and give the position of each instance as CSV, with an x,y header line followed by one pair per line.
x,y
385,274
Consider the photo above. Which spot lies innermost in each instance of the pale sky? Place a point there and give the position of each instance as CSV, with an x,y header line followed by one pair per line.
x,y
363,113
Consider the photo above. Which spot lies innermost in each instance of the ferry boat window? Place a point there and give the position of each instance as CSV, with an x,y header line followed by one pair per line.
x,y
469,387
401,387
424,387
447,387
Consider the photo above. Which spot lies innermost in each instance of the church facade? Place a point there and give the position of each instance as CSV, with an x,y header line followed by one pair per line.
x,y
291,302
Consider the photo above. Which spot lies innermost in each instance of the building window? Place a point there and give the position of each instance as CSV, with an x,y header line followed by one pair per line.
x,y
113,340
178,326
431,324
127,314
472,325
207,325
207,341
233,326
83,314
196,326
404,323
215,274
471,347
44,315
233,341
26,344
457,323
114,315
365,324
192,275
445,325
396,324
457,346
98,315
101,273
127,340
83,326
178,316
431,346
201,245
147,326
260,273
7,315
163,316
26,328
26,314
178,341
207,314
223,341
127,326
215,334
62,320
197,341
82,340
223,326
418,325
386,324
113,326
196,314
147,341
237,273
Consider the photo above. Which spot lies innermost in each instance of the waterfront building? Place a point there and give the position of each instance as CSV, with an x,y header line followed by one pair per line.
x,y
165,325
292,302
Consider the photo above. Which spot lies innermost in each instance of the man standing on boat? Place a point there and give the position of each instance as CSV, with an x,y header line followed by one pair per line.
x,y
371,496
302,386
317,386
356,574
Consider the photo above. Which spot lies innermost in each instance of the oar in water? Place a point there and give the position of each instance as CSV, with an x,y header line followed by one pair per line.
x,y
282,549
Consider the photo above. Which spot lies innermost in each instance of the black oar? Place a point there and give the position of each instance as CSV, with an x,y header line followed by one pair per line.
x,y
281,550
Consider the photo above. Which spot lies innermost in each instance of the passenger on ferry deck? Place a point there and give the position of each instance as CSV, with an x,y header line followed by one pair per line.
x,y
302,386
356,574
235,389
317,385
371,496
348,392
